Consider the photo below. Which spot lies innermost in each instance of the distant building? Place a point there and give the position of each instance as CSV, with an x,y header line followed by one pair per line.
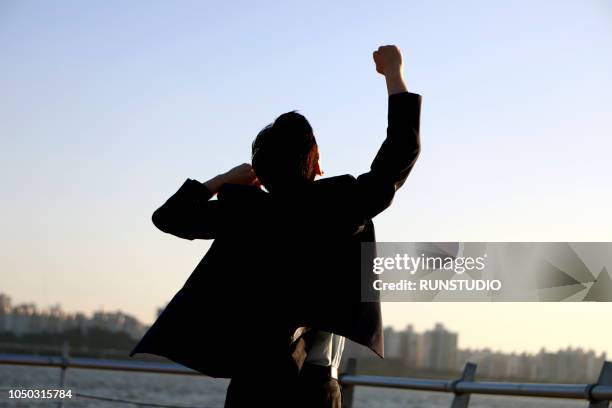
x,y
118,322
412,348
440,349
520,366
569,365
393,343
5,304
5,312
24,319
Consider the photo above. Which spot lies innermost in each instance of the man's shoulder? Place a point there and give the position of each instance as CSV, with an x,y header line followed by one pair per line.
x,y
336,185
343,180
232,191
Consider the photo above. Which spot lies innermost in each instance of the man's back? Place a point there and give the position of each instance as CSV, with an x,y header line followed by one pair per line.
x,y
287,258
285,261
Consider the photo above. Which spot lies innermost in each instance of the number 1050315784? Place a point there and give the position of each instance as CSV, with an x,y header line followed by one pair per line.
x,y
39,393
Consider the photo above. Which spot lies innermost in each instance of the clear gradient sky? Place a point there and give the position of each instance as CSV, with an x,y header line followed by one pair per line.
x,y
107,106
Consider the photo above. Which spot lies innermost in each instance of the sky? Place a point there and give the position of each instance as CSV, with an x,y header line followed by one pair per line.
x,y
106,107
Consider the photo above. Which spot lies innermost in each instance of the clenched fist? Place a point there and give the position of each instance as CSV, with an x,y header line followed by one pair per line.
x,y
388,59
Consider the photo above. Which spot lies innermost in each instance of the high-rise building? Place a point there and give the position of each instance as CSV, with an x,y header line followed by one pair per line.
x,y
5,312
5,304
440,349
412,348
393,343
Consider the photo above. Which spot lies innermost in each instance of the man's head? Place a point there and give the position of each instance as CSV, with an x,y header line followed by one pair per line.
x,y
285,152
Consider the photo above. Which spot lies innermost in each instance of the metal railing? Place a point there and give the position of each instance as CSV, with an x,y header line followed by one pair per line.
x,y
598,394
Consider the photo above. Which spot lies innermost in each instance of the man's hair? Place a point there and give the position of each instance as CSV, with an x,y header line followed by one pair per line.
x,y
285,152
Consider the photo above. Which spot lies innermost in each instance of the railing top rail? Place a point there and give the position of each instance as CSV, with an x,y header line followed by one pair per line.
x,y
396,382
577,391
96,364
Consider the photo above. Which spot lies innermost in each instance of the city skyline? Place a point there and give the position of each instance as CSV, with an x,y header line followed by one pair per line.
x,y
118,320
436,349
22,318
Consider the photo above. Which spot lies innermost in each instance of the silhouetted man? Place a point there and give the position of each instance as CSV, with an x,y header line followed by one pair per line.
x,y
280,288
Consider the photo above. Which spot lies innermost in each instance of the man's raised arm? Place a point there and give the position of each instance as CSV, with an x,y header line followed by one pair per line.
x,y
400,150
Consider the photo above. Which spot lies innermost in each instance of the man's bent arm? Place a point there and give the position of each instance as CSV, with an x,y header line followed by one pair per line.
x,y
190,213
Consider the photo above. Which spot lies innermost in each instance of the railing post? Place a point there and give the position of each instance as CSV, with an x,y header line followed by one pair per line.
x,y
348,391
462,400
605,378
65,362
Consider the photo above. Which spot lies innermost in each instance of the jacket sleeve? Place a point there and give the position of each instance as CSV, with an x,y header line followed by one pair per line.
x,y
395,158
190,213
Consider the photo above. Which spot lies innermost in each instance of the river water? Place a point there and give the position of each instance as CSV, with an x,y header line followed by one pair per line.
x,y
196,391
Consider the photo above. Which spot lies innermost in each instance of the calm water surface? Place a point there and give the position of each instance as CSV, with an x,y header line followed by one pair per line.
x,y
195,391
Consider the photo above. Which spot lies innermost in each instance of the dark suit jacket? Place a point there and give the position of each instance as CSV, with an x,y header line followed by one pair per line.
x,y
279,261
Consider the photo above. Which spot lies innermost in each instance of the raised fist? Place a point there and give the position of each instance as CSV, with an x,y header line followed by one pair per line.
x,y
388,59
